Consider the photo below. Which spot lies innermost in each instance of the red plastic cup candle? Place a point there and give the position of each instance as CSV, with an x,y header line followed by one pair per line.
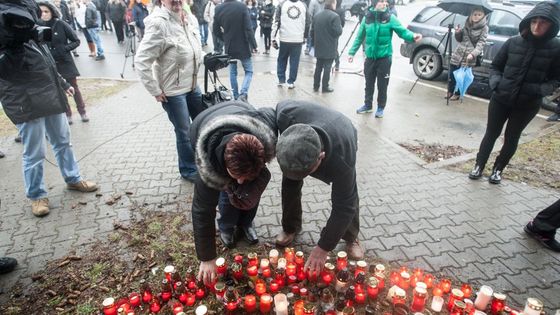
x,y
312,276
437,290
200,292
252,259
237,270
395,278
280,277
265,264
191,299
341,260
327,274
238,259
166,291
109,307
274,286
135,299
404,281
380,276
456,295
291,269
469,307
300,259
155,306
429,280
445,285
220,290
265,303
372,288
360,298
292,279
252,272
301,275
281,263
413,281
250,303
361,266
168,271
418,273
458,308
221,266
419,299
177,308
498,303
399,297
298,307
303,292
289,254
467,290
295,289
146,294
260,287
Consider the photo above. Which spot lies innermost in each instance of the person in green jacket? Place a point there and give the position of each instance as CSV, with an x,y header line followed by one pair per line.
x,y
376,33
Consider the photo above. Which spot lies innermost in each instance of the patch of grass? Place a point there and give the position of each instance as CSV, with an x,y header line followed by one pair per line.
x,y
154,227
96,270
55,301
86,309
114,237
93,90
535,163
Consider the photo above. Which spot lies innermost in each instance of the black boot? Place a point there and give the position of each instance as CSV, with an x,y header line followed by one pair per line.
x,y
227,238
496,176
476,172
7,264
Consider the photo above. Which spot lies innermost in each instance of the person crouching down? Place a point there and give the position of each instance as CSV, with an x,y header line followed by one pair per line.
x,y
233,142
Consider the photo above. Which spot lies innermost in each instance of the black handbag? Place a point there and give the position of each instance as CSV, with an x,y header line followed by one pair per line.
x,y
219,95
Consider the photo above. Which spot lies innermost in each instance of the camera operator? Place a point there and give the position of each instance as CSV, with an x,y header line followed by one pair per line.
x,y
32,94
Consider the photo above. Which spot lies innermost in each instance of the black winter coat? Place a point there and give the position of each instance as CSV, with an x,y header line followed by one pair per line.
x,y
326,31
340,143
527,68
266,15
198,10
64,40
207,133
233,17
117,11
30,87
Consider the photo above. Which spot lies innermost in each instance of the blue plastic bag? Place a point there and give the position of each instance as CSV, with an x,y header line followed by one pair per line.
x,y
464,78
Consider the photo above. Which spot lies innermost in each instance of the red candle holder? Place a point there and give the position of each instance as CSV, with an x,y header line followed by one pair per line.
x,y
135,299
445,285
237,270
437,291
404,281
300,259
267,273
191,299
372,288
292,279
260,287
291,269
298,307
395,278
166,291
295,289
467,290
498,303
303,292
456,295
177,308
458,308
361,266
265,304
220,290
146,293
327,274
419,299
360,298
429,280
252,259
155,305
250,303
312,276
238,259
252,272
418,273
341,260
109,307
399,297
169,271
289,254
274,287
221,266
200,291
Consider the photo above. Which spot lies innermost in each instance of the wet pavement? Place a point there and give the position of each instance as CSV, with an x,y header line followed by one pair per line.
x,y
410,214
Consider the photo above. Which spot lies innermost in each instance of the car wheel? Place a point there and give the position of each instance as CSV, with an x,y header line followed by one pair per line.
x,y
427,64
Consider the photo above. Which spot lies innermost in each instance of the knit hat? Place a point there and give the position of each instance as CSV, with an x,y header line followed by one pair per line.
x,y
298,150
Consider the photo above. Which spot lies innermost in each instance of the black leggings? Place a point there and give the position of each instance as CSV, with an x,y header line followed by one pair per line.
x,y
498,114
266,32
452,82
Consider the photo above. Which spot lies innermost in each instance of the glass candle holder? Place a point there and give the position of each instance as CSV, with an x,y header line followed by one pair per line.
x,y
135,299
291,269
191,299
237,270
483,297
437,303
429,280
146,293
399,297
252,259
458,308
498,303
260,287
250,303
265,304
300,259
281,263
372,288
327,274
418,273
456,295
155,306
177,308
437,291
109,307
273,257
341,260
342,278
238,259
404,281
289,254
166,290
303,292
361,266
394,277
220,290
169,271
445,285
360,298
265,264
467,290
533,307
274,286
419,299
252,272
301,275
308,308
221,266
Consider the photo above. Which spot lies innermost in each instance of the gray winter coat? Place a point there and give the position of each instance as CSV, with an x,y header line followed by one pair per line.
x,y
471,40
326,31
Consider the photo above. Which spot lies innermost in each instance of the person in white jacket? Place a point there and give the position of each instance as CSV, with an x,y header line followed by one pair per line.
x,y
292,26
168,60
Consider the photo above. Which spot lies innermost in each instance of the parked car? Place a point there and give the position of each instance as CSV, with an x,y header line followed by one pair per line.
x,y
427,56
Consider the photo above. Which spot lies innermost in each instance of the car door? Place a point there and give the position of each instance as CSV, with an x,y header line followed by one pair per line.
x,y
502,25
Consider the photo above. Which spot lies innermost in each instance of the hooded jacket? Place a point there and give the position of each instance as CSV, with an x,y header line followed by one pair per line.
x,y
173,49
266,15
340,144
376,34
209,134
528,68
471,40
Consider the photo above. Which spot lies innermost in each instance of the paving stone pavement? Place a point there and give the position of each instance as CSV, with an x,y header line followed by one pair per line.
x,y
429,218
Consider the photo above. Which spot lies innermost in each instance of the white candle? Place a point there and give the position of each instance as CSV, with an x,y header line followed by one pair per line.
x,y
281,304
483,297
201,310
282,263
477,312
533,307
273,256
437,303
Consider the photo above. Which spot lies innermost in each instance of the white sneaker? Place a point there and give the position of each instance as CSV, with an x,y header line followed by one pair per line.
x,y
281,84
291,85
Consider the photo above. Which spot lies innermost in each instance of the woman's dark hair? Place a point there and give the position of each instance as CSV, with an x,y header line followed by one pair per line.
x,y
244,156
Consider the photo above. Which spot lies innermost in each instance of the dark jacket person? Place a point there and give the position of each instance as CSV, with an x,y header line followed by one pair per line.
x,y
526,69
232,142
321,143
325,31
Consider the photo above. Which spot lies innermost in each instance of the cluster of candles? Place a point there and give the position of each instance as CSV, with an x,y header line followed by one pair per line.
x,y
279,284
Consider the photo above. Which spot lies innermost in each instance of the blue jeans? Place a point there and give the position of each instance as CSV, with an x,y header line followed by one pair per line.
x,y
230,216
94,33
203,33
292,51
55,129
178,113
248,68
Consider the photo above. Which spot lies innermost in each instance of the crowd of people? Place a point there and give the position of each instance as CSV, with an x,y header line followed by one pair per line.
x,y
224,151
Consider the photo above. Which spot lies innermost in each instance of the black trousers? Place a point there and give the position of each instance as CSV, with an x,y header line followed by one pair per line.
x,y
119,30
548,221
322,66
266,31
380,70
452,82
292,210
498,114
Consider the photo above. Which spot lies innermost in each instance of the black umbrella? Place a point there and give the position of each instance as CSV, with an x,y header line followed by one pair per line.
x,y
464,7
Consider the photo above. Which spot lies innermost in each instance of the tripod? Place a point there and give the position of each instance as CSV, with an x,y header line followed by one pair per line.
x,y
447,52
130,46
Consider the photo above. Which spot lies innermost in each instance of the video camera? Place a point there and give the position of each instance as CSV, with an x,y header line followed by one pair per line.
x,y
359,9
18,23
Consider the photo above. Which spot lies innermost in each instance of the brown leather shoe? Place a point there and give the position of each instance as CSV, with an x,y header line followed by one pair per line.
x,y
83,186
354,250
40,207
284,239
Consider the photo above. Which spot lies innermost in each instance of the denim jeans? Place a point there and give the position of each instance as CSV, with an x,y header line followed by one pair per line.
x,y
292,51
94,33
203,33
230,216
178,113
55,129
248,68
